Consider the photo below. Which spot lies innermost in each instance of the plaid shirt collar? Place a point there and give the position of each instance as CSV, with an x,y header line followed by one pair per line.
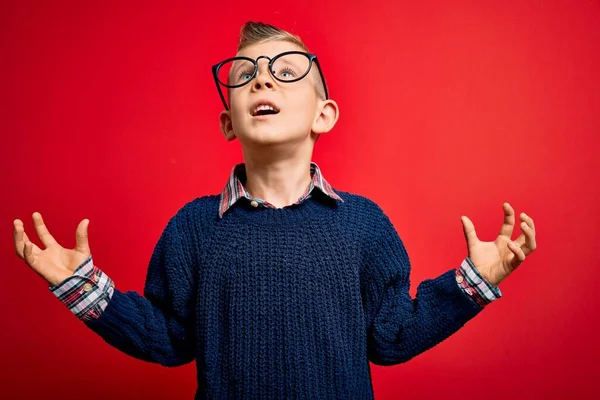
x,y
234,189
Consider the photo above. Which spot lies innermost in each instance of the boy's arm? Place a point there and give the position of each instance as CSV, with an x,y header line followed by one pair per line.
x,y
156,327
401,327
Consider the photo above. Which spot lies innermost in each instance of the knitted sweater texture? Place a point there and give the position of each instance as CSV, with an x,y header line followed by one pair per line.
x,y
288,303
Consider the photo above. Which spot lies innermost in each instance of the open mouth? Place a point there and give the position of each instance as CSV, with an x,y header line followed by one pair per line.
x,y
264,109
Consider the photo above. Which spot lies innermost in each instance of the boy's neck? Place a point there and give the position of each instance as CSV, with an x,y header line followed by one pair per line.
x,y
279,182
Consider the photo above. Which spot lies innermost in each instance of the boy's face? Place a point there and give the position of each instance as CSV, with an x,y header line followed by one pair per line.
x,y
301,114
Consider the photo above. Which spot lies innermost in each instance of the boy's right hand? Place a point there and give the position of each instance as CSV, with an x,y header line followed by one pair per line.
x,y
54,263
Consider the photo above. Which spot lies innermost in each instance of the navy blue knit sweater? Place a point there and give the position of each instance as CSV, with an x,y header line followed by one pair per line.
x,y
283,303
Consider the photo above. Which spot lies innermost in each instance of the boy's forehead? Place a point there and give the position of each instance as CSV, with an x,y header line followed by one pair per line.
x,y
269,48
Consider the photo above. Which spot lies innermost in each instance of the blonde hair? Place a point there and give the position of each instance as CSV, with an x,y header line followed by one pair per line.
x,y
258,32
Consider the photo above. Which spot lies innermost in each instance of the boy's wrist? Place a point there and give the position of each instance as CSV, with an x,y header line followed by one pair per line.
x,y
475,285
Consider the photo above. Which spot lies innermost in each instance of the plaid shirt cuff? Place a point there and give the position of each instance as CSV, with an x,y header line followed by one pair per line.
x,y
474,285
87,292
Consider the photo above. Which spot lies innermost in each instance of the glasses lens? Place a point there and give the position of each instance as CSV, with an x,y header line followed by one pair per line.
x,y
291,67
235,72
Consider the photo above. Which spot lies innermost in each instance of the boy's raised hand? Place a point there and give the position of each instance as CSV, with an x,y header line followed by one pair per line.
x,y
54,263
498,259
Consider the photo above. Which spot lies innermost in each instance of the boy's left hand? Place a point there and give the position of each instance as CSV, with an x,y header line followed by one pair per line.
x,y
498,259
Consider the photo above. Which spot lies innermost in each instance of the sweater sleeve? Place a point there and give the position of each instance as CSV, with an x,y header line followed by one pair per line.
x,y
400,327
158,326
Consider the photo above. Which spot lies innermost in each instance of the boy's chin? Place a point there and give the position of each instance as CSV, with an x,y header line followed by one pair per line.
x,y
270,136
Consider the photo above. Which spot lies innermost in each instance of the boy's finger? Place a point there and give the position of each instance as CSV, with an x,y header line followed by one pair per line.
x,y
18,236
518,252
42,231
81,237
529,221
509,221
529,238
28,253
520,241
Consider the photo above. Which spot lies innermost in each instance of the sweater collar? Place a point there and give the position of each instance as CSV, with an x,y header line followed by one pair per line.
x,y
234,190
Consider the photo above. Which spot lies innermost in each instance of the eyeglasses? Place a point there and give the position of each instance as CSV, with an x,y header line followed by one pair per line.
x,y
290,66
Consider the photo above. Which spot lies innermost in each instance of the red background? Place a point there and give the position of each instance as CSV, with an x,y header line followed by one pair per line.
x,y
109,112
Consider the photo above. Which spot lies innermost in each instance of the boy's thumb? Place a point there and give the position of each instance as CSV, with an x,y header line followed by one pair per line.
x,y
81,237
469,231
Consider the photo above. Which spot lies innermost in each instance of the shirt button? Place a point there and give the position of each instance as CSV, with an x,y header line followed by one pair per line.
x,y
87,287
459,279
254,203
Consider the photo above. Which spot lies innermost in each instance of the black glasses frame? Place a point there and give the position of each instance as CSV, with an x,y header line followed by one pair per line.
x,y
311,57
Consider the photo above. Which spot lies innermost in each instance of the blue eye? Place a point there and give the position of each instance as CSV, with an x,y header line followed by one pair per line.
x,y
244,75
287,73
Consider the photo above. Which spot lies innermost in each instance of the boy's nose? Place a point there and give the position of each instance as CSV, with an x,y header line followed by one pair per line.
x,y
263,76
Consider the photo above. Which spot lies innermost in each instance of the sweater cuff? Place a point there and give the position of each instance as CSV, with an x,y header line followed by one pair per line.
x,y
474,285
87,292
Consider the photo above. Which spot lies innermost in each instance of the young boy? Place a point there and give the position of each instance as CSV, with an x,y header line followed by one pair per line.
x,y
279,287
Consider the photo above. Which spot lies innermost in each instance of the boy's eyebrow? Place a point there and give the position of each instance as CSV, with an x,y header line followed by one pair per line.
x,y
286,61
236,66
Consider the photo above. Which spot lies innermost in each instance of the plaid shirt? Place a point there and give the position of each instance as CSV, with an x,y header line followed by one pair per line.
x,y
235,190
88,291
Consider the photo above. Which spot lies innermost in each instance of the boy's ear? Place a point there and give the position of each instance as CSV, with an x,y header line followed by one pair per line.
x,y
226,125
326,118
